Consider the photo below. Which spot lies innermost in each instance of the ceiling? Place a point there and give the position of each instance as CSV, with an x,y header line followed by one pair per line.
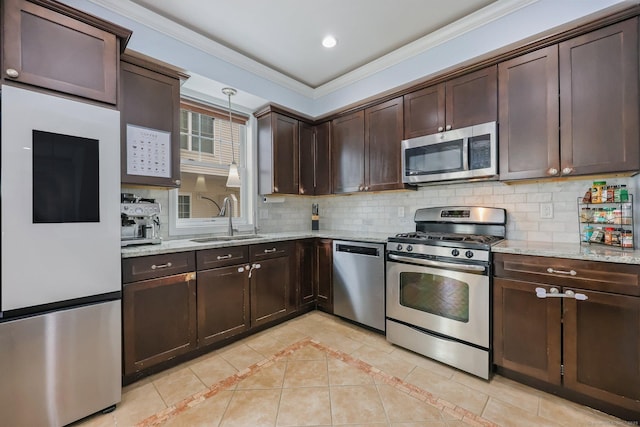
x,y
286,35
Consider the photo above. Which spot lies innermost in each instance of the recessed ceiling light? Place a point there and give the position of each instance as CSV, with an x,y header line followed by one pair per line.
x,y
329,41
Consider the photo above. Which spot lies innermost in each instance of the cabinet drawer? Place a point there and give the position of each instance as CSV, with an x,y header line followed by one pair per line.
x,y
270,250
150,267
592,275
221,257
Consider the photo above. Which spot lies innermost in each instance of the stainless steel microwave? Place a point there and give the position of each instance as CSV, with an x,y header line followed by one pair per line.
x,y
459,154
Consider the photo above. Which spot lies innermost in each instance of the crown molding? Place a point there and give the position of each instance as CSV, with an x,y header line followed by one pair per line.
x,y
172,29
165,26
468,23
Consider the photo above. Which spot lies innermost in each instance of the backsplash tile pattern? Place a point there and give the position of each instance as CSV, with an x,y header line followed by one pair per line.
x,y
381,212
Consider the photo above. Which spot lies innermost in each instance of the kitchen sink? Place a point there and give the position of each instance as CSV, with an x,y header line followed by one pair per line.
x,y
226,238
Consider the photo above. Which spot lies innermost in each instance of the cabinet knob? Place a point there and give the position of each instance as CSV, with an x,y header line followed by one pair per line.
x,y
177,182
12,72
360,188
440,128
552,171
567,171
301,190
448,127
275,189
366,188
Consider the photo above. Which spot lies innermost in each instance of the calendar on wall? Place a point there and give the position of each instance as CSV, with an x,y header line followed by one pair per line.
x,y
148,152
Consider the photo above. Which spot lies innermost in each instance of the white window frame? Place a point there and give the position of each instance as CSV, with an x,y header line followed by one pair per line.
x,y
190,196
189,133
248,195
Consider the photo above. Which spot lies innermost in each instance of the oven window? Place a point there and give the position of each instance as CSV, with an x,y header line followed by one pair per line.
x,y
434,158
65,178
435,294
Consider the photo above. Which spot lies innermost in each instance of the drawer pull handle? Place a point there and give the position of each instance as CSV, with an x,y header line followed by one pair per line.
x,y
555,293
153,267
270,251
221,257
571,272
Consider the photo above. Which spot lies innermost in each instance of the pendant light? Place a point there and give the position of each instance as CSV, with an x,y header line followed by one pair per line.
x,y
234,177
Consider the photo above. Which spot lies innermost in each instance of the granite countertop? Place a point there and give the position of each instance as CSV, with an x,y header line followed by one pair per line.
x,y
183,245
568,250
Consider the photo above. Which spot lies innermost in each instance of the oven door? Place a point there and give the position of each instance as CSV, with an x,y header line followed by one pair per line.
x,y
449,302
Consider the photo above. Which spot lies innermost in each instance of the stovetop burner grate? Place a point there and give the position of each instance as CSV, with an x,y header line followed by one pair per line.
x,y
425,237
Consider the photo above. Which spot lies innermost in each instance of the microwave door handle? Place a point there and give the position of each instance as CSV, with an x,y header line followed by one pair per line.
x,y
440,264
465,153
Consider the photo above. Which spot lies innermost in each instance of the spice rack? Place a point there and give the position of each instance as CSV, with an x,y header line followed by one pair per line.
x,y
608,224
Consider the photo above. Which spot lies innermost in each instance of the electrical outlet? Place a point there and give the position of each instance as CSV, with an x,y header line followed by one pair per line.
x,y
264,214
546,210
400,211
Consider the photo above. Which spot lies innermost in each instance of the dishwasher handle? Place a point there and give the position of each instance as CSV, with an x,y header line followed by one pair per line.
x,y
359,250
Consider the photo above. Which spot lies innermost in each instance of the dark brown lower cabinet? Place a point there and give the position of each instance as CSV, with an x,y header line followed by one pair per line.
x,y
602,347
323,276
223,303
586,349
306,272
159,321
527,335
270,281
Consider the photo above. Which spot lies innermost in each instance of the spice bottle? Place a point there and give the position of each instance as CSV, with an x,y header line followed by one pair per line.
x,y
626,239
624,193
597,192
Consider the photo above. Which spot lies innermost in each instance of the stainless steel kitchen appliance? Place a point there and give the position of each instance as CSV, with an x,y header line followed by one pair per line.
x,y
469,153
140,221
439,285
358,282
60,315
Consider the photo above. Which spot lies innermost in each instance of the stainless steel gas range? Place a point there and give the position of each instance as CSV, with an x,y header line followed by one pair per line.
x,y
439,285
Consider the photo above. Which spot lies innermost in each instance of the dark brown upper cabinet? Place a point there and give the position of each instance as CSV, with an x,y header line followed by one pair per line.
x,y
315,160
529,115
278,137
150,103
572,108
464,101
53,46
599,101
347,149
366,149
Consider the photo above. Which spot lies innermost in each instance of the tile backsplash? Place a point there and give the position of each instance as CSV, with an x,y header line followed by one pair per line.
x,y
392,212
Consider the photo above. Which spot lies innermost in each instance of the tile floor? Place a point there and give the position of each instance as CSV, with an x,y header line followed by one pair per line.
x,y
317,370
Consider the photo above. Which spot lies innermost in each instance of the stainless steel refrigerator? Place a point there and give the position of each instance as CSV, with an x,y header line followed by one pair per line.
x,y
60,320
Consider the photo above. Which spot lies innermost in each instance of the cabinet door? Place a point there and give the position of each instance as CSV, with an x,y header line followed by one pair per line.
x,y
306,272
599,101
323,159
472,99
270,285
223,303
602,347
150,100
285,154
347,153
424,111
307,163
383,135
529,115
158,320
55,51
526,330
323,277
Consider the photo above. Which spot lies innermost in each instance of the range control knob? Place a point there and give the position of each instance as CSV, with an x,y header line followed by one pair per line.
x,y
455,252
469,254
399,247
409,248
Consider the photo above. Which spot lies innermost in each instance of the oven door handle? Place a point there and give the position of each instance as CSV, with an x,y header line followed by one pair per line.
x,y
431,263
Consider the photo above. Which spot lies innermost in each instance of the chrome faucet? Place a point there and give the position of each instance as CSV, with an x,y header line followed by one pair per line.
x,y
227,206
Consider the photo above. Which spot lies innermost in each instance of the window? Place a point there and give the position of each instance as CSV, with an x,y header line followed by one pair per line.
x,y
184,205
205,156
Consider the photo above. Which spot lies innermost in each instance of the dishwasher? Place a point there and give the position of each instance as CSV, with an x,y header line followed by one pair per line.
x,y
359,282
